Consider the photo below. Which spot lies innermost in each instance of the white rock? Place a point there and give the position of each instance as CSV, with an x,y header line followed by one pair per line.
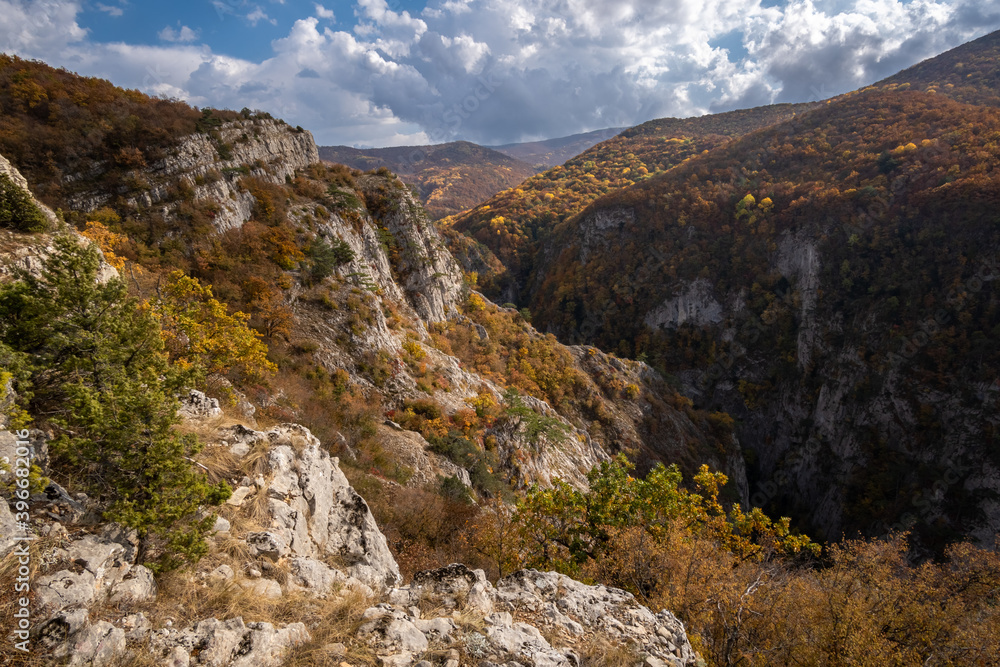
x,y
267,544
239,495
196,405
96,645
221,525
267,588
317,577
137,586
232,643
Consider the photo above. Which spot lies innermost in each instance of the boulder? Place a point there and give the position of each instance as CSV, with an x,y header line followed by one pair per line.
x,y
313,576
314,513
93,646
97,568
229,643
265,588
138,585
196,405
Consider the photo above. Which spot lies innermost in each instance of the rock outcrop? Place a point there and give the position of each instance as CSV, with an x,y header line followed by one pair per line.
x,y
212,165
310,509
541,619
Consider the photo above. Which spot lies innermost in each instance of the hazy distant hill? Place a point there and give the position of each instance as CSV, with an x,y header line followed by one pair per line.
x,y
553,152
450,178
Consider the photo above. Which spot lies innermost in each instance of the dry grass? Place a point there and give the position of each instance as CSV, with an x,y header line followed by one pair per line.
x,y
330,622
599,652
255,464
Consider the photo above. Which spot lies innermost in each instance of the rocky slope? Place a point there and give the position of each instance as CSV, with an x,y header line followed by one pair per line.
x,y
295,531
212,166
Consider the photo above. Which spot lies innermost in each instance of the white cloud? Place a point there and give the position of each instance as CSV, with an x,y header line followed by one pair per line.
x,y
324,13
185,34
258,15
111,10
496,71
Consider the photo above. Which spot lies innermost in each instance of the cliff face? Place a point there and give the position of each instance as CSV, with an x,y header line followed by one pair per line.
x,y
213,164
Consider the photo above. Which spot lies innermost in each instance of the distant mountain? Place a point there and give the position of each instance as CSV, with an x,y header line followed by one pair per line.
x,y
969,73
449,178
553,152
511,223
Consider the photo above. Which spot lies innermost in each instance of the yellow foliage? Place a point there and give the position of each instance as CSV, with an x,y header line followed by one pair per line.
x,y
475,302
108,242
199,332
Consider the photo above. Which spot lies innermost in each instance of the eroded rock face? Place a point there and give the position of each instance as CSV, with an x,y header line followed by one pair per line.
x,y
513,616
314,513
265,149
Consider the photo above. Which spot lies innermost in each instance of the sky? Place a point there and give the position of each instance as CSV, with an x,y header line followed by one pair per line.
x,y
409,72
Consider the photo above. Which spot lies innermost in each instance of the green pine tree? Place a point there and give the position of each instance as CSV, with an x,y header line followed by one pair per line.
x,y
89,362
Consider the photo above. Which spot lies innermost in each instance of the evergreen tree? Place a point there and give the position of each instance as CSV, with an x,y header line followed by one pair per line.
x,y
90,362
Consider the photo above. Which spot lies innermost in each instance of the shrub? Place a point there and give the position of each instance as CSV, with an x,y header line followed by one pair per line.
x,y
92,361
324,258
18,210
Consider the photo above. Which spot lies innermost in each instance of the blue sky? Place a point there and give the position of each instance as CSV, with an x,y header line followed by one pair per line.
x,y
392,72
230,27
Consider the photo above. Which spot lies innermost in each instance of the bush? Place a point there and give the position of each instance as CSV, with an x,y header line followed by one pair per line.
x,y
324,258
18,210
92,362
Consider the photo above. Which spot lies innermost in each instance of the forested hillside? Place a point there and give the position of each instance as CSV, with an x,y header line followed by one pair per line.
x,y
969,73
512,224
448,178
826,281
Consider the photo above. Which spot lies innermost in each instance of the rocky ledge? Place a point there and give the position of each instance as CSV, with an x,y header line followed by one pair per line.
x,y
294,531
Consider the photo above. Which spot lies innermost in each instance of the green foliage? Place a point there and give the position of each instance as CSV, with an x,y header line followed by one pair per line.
x,y
535,425
94,367
453,489
17,210
565,527
323,258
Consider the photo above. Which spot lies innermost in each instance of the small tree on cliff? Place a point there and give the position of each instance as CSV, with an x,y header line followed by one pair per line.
x,y
90,362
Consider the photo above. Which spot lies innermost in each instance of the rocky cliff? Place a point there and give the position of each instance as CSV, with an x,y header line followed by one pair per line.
x,y
212,165
296,536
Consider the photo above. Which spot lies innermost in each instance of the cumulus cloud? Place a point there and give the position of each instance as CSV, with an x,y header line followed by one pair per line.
x,y
497,71
184,34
